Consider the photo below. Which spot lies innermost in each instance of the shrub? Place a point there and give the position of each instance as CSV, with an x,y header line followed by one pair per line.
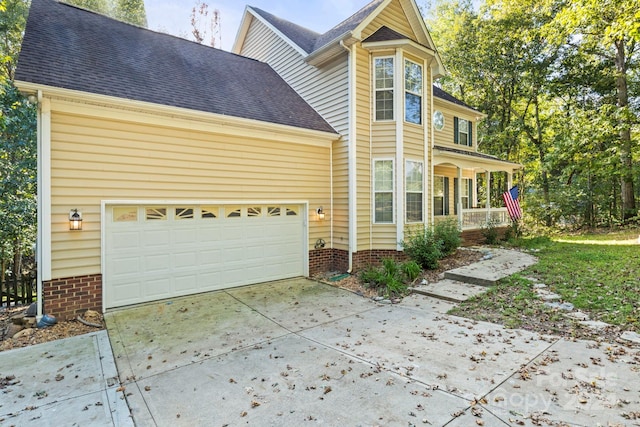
x,y
391,278
422,247
411,270
450,234
490,232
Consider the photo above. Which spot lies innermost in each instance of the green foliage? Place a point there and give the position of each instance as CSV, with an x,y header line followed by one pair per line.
x,y
12,22
391,278
18,172
131,11
559,84
449,233
422,246
411,270
490,232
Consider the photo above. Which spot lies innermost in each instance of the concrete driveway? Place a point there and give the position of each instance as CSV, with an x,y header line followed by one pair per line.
x,y
298,352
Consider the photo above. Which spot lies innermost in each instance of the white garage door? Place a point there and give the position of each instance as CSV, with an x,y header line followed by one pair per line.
x,y
163,251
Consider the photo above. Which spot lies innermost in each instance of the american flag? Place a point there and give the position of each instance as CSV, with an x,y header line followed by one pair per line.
x,y
513,205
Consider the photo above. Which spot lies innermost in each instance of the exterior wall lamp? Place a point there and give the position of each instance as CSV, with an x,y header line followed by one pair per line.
x,y
75,220
320,213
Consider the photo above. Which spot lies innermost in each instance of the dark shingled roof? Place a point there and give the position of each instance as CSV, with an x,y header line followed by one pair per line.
x,y
310,41
439,93
301,36
384,34
72,48
471,153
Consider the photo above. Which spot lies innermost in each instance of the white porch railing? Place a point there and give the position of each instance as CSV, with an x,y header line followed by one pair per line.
x,y
477,218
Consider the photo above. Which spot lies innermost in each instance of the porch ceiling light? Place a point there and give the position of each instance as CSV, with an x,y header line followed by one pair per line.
x,y
320,213
75,220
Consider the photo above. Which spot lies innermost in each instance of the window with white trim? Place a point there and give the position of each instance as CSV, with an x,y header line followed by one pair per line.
x,y
412,92
383,69
383,191
438,195
414,172
465,197
462,131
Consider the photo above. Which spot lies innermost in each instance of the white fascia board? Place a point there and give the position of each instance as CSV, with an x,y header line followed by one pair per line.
x,y
357,32
478,115
104,106
257,16
473,162
243,29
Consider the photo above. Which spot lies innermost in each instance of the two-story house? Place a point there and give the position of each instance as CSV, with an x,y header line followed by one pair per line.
x,y
407,152
169,168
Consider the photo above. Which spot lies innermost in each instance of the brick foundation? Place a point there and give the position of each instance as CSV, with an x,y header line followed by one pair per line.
x,y
374,257
475,237
66,298
323,260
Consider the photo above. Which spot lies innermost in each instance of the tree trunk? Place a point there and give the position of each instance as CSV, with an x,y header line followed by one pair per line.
x,y
626,165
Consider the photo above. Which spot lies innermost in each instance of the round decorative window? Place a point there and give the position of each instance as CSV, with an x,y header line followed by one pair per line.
x,y
438,120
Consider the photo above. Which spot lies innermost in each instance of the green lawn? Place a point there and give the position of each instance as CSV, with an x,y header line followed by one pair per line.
x,y
595,272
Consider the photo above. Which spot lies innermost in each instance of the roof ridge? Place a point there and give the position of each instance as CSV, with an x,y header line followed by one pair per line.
x,y
107,57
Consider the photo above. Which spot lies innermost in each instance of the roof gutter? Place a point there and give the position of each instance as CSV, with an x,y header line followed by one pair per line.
x,y
332,49
184,117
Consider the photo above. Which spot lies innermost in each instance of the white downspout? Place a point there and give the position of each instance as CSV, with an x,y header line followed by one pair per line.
x,y
331,195
43,239
459,200
399,116
353,216
371,171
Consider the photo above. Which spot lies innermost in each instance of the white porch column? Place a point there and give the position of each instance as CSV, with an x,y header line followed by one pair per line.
x,y
459,200
509,180
488,189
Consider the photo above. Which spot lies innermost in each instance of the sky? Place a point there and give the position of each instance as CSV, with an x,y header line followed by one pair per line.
x,y
174,16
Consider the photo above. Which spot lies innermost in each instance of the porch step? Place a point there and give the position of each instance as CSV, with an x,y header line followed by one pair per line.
x,y
449,290
500,263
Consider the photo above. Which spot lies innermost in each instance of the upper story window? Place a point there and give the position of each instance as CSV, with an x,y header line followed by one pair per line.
x,y
462,131
383,88
412,92
383,191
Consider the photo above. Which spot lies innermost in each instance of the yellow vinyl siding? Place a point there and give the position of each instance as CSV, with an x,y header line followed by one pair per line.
x,y
413,142
445,136
393,17
340,214
99,159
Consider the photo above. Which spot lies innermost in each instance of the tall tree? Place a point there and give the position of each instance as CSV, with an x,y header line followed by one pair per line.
x,y
17,178
131,11
12,22
607,32
552,95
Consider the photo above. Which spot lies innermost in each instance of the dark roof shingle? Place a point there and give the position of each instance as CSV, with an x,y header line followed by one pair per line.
x,y
310,41
439,93
72,48
385,33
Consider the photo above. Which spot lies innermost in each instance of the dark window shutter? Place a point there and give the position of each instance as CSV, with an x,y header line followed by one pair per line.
x,y
470,182
455,196
446,195
456,137
470,133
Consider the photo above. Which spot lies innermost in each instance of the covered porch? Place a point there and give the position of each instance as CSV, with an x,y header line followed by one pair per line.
x,y
462,188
